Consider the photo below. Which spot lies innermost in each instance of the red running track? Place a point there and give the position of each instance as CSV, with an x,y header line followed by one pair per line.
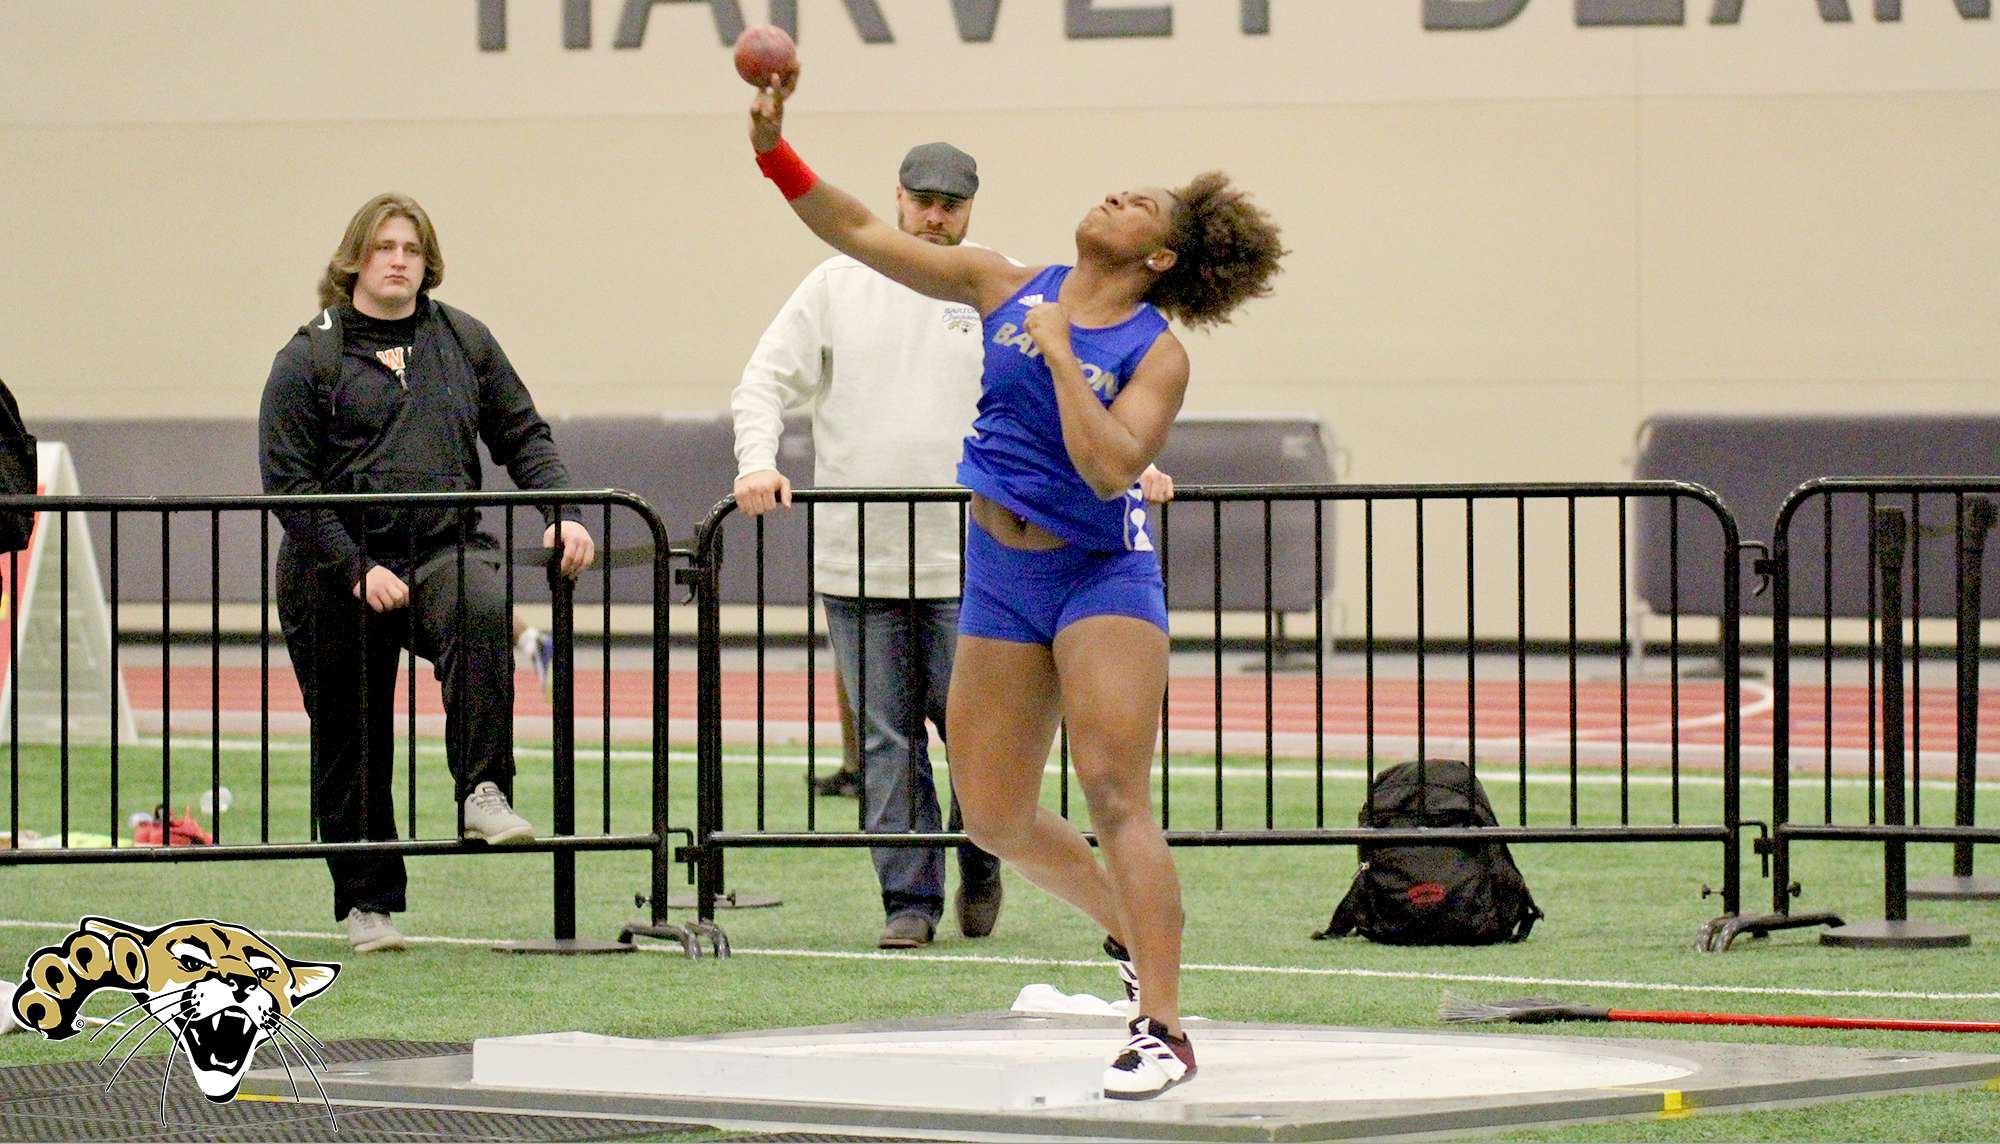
x,y
1443,711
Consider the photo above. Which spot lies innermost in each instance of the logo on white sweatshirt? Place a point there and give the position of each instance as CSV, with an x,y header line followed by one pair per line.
x,y
961,319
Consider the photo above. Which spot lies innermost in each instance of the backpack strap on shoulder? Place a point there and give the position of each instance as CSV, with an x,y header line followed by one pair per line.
x,y
323,339
473,342
323,343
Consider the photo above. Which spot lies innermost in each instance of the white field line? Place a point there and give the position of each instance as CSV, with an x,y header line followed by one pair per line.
x,y
1492,774
1192,967
1596,746
1394,975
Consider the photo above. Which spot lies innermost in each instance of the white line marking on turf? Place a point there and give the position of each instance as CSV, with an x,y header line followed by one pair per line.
x,y
1399,975
1192,967
1500,775
24,923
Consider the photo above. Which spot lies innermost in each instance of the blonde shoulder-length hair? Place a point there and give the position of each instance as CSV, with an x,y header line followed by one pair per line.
x,y
336,286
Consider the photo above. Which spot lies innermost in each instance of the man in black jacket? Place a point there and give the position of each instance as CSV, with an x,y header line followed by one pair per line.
x,y
389,391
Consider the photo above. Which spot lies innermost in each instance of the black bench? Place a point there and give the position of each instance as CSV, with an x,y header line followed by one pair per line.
x,y
1755,461
683,465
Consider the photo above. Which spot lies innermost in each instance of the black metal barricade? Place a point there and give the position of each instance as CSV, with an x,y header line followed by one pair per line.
x,y
1478,519
1873,537
62,519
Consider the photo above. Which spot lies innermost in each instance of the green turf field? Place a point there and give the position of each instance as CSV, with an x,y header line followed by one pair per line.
x,y
1620,926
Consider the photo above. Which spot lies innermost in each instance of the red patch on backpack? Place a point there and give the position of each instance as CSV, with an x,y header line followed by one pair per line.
x,y
1425,894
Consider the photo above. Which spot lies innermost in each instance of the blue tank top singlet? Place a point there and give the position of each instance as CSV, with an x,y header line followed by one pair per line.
x,y
1015,455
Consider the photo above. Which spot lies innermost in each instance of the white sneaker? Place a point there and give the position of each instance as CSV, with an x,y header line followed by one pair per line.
x,y
491,819
368,932
1152,1062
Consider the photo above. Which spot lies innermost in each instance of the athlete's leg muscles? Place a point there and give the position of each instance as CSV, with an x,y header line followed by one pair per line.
x,y
1112,673
1003,710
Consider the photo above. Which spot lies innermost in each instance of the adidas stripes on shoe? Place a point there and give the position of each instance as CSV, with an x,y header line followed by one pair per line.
x,y
1151,1062
1128,973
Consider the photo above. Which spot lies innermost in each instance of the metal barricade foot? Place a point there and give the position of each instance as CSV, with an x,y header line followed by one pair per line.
x,y
690,936
1896,934
1717,934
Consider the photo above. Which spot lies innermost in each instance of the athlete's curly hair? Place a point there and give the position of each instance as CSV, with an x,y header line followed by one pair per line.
x,y
1227,250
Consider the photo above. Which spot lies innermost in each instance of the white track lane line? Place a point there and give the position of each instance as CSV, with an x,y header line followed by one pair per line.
x,y
1760,705
1192,967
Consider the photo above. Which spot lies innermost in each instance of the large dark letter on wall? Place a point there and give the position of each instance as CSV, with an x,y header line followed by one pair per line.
x,y
493,24
869,22
1890,11
1447,15
975,19
1082,20
728,19
1731,12
1628,13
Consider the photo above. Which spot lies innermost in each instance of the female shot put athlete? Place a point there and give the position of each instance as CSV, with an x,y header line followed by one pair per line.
x,y
1064,612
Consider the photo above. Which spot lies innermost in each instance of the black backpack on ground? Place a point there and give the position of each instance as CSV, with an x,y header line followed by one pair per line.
x,y
18,473
1433,895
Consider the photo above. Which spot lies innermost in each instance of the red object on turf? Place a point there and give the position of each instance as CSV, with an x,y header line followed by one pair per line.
x,y
1545,1010
1901,1024
185,831
763,51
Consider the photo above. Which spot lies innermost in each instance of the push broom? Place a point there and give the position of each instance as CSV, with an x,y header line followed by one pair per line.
x,y
1543,1010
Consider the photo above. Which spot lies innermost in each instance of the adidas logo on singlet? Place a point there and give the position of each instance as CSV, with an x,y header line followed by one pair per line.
x,y
1136,539
1031,301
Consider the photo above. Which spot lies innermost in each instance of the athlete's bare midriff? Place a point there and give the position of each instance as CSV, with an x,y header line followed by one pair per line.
x,y
1011,530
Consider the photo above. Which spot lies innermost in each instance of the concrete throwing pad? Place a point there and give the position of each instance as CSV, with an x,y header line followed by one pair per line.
x,y
999,1070
1032,1075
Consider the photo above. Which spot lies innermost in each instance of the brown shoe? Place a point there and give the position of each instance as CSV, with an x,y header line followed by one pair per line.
x,y
840,784
977,905
905,931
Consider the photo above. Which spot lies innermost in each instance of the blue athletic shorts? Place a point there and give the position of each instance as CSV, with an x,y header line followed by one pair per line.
x,y
1025,596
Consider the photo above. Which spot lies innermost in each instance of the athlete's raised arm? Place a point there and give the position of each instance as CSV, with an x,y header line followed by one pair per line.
x,y
975,276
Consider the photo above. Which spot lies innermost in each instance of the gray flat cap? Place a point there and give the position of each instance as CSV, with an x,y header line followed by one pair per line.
x,y
940,169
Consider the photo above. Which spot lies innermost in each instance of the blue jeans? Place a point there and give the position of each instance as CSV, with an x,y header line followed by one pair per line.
x,y
899,680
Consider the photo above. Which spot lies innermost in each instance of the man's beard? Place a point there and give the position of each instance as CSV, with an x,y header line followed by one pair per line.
x,y
949,239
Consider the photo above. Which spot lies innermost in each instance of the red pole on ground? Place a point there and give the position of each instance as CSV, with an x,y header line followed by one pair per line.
x,y
1653,1017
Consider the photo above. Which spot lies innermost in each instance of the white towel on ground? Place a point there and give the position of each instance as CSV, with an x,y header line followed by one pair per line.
x,y
1040,998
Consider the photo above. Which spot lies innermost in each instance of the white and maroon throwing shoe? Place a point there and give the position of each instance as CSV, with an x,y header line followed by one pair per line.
x,y
1152,1062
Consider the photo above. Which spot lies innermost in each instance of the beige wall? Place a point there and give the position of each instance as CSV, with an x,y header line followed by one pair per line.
x,y
1509,246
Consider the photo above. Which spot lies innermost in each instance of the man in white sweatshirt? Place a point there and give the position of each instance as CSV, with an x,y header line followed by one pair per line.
x,y
892,378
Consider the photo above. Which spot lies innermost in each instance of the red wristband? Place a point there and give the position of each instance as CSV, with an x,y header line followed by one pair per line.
x,y
783,166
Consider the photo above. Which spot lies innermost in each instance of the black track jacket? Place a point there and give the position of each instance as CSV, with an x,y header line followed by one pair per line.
x,y
357,429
